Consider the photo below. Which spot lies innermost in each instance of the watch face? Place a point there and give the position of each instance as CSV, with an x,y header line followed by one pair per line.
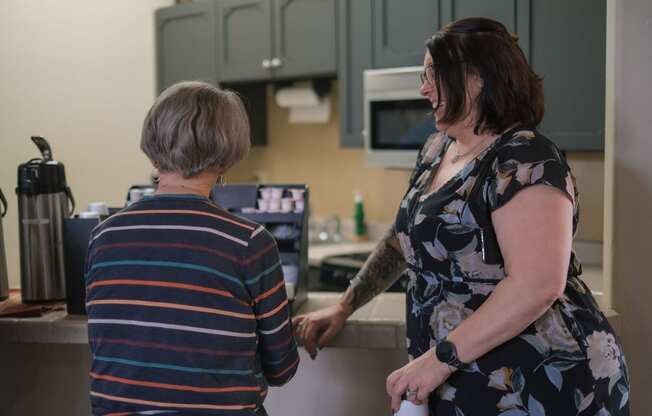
x,y
445,351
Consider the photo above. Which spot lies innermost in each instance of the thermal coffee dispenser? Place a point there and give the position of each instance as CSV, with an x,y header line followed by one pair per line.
x,y
43,204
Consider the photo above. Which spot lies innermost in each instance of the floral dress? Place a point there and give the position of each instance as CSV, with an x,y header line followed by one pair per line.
x,y
569,361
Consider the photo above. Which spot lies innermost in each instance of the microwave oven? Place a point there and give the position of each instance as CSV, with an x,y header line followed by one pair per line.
x,y
397,119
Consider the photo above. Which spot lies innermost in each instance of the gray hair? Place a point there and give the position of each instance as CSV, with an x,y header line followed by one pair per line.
x,y
193,127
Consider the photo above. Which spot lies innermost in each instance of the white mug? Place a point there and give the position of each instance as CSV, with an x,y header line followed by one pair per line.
x,y
266,193
89,214
100,207
287,205
298,205
290,273
297,193
410,409
263,205
135,195
274,205
277,193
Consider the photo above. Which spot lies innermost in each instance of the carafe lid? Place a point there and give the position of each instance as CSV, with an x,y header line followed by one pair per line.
x,y
41,176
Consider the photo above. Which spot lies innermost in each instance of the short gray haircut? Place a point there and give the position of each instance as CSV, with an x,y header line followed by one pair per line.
x,y
193,127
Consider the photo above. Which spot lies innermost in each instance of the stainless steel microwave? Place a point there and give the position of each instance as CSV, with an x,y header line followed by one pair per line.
x,y
397,119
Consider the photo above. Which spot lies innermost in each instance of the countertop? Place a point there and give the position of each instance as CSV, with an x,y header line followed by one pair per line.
x,y
378,325
317,252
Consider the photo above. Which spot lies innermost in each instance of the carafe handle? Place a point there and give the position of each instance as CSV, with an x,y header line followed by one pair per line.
x,y
72,201
3,205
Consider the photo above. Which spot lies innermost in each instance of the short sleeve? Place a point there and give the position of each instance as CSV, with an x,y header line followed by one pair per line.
x,y
524,160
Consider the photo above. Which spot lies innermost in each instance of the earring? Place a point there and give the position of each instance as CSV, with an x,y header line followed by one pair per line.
x,y
221,180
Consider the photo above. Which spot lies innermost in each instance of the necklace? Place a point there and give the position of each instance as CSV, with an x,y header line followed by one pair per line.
x,y
457,157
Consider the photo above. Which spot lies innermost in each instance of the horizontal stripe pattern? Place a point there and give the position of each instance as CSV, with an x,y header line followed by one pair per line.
x,y
175,386
171,326
176,405
186,311
171,228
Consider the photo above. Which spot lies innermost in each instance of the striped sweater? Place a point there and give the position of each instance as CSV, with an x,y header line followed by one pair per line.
x,y
187,311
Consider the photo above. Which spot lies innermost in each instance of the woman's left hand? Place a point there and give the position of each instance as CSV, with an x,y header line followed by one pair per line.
x,y
422,376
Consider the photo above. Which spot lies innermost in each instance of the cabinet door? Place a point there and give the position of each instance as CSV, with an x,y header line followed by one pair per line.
x,y
400,30
354,56
568,50
304,34
514,14
244,39
185,44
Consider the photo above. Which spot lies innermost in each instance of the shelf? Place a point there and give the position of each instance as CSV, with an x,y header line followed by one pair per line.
x,y
274,218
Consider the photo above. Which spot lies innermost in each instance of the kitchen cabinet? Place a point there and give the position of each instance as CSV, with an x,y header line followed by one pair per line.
x,y
564,42
354,56
569,50
275,39
185,43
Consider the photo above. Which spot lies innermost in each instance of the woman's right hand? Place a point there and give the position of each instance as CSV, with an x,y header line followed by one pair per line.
x,y
315,329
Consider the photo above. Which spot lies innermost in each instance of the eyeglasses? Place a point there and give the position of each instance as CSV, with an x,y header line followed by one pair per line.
x,y
428,75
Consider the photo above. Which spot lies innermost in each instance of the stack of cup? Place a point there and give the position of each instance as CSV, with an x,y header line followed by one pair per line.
x,y
270,200
297,199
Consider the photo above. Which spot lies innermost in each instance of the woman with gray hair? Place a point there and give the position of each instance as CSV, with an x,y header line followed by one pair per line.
x,y
187,312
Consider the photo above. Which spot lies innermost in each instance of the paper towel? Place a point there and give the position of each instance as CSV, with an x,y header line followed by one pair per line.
x,y
296,97
319,113
304,104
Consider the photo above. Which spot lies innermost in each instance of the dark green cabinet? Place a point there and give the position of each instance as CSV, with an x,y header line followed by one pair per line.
x,y
568,50
400,30
514,14
354,56
564,42
244,41
185,44
275,39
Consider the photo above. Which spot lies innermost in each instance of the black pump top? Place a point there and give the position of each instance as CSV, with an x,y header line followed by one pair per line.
x,y
41,176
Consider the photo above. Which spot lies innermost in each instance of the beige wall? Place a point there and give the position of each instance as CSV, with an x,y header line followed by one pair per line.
x,y
310,153
631,222
81,74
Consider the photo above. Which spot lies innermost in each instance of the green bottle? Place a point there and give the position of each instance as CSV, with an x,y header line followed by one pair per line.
x,y
360,228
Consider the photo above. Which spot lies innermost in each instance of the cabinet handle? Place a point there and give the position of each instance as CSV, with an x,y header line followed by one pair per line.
x,y
266,64
276,62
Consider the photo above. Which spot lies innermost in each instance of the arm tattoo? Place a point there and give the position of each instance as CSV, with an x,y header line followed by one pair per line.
x,y
383,267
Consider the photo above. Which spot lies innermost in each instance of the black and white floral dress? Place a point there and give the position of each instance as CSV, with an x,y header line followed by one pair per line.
x,y
568,362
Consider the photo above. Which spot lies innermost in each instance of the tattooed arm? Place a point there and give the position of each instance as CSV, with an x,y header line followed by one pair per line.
x,y
382,268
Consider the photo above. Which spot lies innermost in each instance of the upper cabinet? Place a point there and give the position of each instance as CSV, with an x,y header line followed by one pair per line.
x,y
275,39
564,42
400,29
569,51
245,41
185,44
514,14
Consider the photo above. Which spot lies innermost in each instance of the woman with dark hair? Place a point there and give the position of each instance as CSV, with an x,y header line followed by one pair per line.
x,y
498,319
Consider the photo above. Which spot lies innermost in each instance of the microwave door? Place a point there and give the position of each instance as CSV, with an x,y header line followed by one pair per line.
x,y
400,124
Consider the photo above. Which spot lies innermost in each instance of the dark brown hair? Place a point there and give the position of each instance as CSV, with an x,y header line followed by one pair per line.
x,y
193,127
512,94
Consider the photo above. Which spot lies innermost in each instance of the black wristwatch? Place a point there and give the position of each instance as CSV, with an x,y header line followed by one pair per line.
x,y
447,354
